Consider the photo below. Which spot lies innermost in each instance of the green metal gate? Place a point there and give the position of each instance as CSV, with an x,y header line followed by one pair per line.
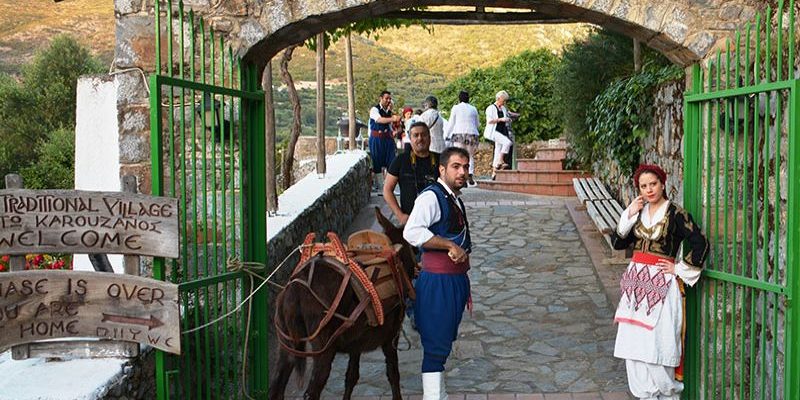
x,y
207,141
742,143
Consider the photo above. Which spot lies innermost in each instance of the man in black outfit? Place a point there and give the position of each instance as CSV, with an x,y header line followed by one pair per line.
x,y
413,170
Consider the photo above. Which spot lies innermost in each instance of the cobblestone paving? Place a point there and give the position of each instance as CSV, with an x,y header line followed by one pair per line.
x,y
541,322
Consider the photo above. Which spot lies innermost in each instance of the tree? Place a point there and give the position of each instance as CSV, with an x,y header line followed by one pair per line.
x,y
367,92
54,164
528,78
288,155
370,27
586,69
42,102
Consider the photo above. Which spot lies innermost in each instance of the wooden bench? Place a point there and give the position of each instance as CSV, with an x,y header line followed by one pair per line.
x,y
601,207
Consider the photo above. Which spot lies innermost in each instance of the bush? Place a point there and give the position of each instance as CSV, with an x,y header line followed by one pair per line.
x,y
528,78
621,116
588,67
41,103
54,162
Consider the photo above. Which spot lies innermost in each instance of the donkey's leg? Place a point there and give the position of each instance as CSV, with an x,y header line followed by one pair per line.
x,y
284,367
319,375
392,366
352,374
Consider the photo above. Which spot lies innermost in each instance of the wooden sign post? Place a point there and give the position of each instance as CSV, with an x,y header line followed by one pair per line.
x,y
37,305
55,304
59,221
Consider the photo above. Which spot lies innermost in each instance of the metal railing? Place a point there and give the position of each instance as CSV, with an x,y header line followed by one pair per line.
x,y
207,141
741,182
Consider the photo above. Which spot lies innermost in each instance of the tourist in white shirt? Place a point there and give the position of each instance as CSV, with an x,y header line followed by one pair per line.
x,y
462,129
497,119
435,122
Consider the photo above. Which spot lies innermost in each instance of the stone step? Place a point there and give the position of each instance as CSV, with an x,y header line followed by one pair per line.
x,y
545,189
551,153
532,164
540,177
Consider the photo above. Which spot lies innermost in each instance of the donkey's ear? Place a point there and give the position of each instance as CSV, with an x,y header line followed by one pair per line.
x,y
387,225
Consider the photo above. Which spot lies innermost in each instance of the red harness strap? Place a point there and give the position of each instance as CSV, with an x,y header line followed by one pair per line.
x,y
336,247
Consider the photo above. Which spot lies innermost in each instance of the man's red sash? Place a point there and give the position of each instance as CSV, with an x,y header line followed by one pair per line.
x,y
438,262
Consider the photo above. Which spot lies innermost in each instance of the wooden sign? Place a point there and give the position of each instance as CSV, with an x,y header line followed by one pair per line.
x,y
74,221
37,305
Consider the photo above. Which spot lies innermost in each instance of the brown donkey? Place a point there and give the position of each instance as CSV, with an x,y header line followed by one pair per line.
x,y
299,314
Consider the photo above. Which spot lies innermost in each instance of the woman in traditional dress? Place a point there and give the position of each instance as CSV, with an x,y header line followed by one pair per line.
x,y
651,311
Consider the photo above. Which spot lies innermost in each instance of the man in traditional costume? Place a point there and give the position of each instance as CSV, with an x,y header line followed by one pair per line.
x,y
651,311
438,224
381,142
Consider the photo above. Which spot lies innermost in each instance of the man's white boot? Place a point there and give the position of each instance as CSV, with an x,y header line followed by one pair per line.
x,y
433,386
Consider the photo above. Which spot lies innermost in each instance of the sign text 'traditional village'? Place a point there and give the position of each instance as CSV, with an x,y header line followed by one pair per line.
x,y
89,222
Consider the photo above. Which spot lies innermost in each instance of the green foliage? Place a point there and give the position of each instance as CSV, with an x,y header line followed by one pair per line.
x,y
370,28
53,165
42,103
53,77
621,116
335,105
367,92
528,78
587,67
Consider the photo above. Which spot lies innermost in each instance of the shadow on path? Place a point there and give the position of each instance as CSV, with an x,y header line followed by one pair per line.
x,y
541,321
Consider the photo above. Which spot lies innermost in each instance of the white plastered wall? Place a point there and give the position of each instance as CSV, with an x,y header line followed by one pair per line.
x,y
97,145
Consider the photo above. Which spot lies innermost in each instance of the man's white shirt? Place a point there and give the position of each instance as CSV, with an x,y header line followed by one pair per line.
x,y
426,212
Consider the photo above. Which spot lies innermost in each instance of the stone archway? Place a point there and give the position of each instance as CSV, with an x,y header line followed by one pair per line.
x,y
684,30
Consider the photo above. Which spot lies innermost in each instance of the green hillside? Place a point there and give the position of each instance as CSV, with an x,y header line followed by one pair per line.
x,y
412,61
28,25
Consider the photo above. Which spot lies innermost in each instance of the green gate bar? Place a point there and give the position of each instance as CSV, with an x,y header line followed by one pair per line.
x,y
213,127
734,179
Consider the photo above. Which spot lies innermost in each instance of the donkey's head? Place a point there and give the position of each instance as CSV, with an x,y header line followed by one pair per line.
x,y
395,234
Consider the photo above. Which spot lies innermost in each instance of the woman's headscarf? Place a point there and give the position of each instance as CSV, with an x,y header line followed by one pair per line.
x,y
649,168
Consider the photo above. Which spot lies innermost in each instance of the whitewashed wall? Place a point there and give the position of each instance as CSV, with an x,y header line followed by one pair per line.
x,y
97,144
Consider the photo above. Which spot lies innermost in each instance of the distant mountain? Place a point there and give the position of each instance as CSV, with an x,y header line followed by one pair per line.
x,y
26,25
416,63
413,61
447,52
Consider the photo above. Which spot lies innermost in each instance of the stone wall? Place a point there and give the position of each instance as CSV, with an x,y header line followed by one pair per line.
x,y
137,380
663,147
333,211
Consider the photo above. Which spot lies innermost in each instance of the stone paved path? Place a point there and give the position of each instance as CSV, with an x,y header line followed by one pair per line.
x,y
541,326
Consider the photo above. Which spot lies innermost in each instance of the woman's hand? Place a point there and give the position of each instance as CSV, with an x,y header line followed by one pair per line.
x,y
636,205
667,267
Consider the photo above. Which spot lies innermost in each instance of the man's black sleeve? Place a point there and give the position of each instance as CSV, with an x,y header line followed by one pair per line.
x,y
394,168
